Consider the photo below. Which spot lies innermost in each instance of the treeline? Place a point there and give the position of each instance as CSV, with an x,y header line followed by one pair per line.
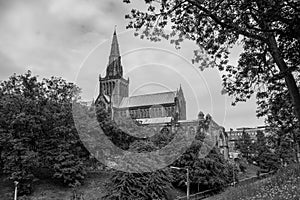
x,y
212,171
39,139
37,133
275,148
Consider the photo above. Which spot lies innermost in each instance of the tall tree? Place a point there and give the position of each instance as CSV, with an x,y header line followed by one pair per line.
x,y
280,116
244,144
37,130
268,30
147,185
263,154
211,171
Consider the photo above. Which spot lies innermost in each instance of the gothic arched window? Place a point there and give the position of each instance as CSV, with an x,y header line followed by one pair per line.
x,y
114,85
143,113
110,88
106,88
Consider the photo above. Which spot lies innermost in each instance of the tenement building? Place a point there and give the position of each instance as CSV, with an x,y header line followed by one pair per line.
x,y
235,135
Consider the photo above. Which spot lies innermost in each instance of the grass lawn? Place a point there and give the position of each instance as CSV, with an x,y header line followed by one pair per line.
x,y
251,171
285,184
92,189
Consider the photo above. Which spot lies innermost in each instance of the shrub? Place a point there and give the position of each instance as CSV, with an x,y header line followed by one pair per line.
x,y
127,186
69,169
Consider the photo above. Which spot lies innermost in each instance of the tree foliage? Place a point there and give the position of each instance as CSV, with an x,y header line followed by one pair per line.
x,y
245,146
212,171
148,185
37,131
264,154
118,136
124,185
209,172
268,31
284,127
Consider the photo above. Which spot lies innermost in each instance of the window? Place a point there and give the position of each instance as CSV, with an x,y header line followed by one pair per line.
x,y
143,113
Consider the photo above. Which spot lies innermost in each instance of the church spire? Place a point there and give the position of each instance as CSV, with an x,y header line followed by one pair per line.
x,y
114,68
114,51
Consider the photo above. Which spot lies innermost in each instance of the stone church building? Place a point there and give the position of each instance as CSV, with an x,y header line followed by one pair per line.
x,y
164,110
114,95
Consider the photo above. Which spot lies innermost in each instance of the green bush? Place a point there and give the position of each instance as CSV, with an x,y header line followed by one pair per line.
x,y
138,186
69,169
150,185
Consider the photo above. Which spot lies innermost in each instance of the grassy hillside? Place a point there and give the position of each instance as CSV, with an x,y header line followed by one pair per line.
x,y
285,184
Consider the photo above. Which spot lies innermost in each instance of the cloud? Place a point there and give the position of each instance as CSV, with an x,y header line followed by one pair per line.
x,y
7,66
54,37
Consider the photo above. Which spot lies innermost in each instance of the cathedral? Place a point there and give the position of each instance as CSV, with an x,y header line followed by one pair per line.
x,y
147,108
161,111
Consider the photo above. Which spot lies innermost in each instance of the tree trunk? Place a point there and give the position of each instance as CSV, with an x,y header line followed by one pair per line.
x,y
289,78
295,144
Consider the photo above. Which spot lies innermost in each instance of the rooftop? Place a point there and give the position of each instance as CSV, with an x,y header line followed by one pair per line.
x,y
148,99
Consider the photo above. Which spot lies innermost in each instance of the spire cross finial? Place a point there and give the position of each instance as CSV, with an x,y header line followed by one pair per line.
x,y
115,30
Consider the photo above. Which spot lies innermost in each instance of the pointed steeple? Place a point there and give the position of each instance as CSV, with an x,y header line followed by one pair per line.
x,y
114,68
114,50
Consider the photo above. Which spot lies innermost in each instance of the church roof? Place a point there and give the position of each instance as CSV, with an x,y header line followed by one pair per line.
x,y
148,99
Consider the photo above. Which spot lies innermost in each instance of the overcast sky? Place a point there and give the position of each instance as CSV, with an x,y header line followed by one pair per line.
x,y
71,39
